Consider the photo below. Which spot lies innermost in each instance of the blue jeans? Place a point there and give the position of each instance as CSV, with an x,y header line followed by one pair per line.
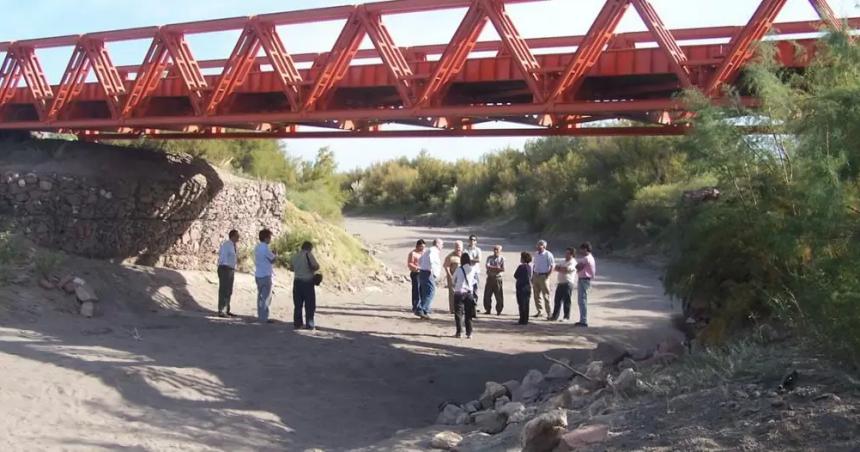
x,y
582,299
304,296
416,290
427,283
264,297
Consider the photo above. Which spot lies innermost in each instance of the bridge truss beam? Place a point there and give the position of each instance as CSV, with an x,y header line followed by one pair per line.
x,y
262,91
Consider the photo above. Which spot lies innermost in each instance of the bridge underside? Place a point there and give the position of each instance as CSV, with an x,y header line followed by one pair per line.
x,y
450,89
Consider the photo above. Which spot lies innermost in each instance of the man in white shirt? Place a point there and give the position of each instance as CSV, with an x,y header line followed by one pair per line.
x,y
227,261
464,300
544,262
477,257
429,269
566,281
263,260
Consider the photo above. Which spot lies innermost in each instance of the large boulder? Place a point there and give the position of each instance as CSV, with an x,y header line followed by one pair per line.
x,y
451,415
543,433
492,391
490,421
446,441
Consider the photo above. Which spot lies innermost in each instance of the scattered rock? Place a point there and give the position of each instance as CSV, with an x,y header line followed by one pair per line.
x,y
594,370
85,293
501,401
543,433
45,284
626,381
67,283
531,386
583,437
472,406
474,441
559,372
450,414
519,416
598,407
88,309
513,386
492,391
446,440
46,185
511,408
490,421
575,397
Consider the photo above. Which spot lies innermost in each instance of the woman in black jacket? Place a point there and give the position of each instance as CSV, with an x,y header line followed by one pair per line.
x,y
523,275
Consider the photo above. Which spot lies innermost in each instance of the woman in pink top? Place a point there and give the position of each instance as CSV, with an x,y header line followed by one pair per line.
x,y
412,263
586,268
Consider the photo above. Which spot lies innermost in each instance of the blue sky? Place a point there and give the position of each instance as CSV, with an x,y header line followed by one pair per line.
x,y
42,18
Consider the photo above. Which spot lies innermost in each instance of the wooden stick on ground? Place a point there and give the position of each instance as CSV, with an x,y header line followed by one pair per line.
x,y
566,366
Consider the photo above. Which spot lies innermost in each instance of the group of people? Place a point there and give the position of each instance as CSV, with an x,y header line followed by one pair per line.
x,y
304,265
462,269
462,272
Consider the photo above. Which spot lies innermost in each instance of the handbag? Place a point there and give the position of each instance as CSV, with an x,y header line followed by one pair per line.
x,y
318,277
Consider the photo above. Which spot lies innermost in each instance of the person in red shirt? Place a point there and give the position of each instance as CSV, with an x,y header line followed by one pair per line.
x,y
412,264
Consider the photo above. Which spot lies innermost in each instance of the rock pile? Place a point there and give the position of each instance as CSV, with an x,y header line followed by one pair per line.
x,y
562,410
84,293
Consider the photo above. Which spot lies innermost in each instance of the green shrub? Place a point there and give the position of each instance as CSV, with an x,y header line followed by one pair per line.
x,y
654,210
47,262
342,257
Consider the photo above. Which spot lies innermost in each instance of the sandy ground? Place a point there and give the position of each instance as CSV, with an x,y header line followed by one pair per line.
x,y
156,371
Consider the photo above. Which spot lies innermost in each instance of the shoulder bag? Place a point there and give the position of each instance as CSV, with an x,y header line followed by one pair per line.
x,y
318,277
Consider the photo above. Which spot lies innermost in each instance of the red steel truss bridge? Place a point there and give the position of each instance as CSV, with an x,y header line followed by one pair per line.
x,y
261,91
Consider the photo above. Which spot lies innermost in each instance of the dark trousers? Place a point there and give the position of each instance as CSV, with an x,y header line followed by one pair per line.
x,y
416,290
304,296
493,288
562,298
524,295
225,287
464,310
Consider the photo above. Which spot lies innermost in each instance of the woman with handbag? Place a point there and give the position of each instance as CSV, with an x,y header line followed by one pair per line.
x,y
305,268
465,278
